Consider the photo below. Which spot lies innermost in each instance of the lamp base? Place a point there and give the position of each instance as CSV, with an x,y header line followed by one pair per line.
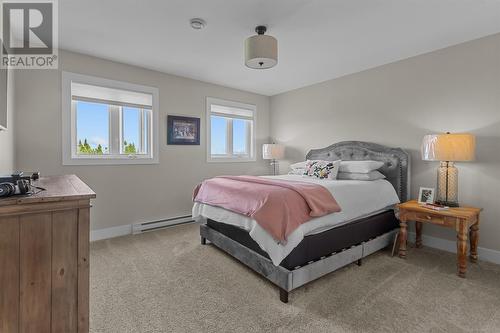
x,y
447,180
276,167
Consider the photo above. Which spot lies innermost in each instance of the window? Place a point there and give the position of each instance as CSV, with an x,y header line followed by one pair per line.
x,y
108,122
230,131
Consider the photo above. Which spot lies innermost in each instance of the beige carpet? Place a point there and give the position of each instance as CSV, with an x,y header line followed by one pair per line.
x,y
165,281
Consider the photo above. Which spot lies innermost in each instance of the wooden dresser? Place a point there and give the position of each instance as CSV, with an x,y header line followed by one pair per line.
x,y
44,258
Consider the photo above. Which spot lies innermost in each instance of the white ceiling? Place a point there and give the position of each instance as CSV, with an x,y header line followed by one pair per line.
x,y
318,39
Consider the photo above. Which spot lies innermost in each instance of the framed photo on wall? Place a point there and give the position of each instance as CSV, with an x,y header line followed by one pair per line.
x,y
183,130
426,195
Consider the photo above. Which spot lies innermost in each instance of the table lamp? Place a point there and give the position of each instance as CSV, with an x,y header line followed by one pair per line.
x,y
273,152
448,148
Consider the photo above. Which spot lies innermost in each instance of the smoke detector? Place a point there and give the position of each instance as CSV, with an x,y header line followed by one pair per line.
x,y
197,23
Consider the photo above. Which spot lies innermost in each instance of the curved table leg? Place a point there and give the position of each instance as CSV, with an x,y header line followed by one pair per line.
x,y
403,235
474,237
418,231
462,249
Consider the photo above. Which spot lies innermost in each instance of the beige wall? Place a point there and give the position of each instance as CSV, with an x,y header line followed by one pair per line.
x,y
7,156
128,193
456,89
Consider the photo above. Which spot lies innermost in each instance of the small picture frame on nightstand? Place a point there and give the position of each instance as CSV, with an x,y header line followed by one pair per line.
x,y
426,195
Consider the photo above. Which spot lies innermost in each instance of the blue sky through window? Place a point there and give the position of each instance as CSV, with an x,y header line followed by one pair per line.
x,y
218,132
92,123
131,126
239,136
219,135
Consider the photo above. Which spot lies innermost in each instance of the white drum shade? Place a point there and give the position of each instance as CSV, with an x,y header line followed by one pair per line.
x,y
261,52
457,147
273,151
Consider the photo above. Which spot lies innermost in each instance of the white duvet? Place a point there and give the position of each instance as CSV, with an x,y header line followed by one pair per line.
x,y
356,199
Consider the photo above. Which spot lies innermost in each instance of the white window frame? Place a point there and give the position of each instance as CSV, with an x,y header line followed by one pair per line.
x,y
251,135
69,143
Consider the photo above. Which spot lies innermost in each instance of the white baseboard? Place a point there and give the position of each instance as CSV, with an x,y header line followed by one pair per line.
x,y
451,246
434,242
112,232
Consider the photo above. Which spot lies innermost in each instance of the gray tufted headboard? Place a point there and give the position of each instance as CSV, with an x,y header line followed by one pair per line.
x,y
396,161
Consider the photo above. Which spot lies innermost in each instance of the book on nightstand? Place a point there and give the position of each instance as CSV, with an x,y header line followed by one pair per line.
x,y
435,206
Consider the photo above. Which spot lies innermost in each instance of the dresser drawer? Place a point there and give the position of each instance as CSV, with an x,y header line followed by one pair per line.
x,y
434,218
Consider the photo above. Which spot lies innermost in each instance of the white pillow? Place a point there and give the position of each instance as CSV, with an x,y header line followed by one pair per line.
x,y
299,165
298,168
372,175
297,171
322,169
360,166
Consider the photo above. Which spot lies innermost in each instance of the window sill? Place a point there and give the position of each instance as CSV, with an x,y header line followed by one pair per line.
x,y
229,160
125,160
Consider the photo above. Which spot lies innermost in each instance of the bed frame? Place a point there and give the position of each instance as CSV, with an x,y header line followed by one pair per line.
x,y
396,168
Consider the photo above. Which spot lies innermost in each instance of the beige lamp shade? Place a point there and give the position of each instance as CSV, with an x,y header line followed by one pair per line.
x,y
273,151
261,51
456,147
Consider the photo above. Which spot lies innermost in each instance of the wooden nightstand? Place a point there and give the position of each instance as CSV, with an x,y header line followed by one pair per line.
x,y
465,220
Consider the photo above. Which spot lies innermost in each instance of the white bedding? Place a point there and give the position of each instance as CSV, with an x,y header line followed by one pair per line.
x,y
356,199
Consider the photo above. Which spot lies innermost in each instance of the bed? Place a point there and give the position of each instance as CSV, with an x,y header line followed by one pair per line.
x,y
323,244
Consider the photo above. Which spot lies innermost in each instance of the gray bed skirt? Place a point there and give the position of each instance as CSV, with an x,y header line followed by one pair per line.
x,y
288,280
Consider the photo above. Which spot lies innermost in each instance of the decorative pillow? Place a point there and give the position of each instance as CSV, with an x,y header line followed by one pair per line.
x,y
372,175
322,169
360,166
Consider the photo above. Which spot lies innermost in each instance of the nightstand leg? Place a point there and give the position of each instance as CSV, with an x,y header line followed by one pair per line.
x,y
462,249
403,235
474,237
418,229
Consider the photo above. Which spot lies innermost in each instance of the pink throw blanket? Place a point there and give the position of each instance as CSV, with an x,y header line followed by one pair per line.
x,y
278,206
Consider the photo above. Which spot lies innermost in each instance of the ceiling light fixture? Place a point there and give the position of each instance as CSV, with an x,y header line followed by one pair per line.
x,y
261,51
197,23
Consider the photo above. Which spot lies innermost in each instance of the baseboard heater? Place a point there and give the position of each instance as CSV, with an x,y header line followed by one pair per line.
x,y
138,228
